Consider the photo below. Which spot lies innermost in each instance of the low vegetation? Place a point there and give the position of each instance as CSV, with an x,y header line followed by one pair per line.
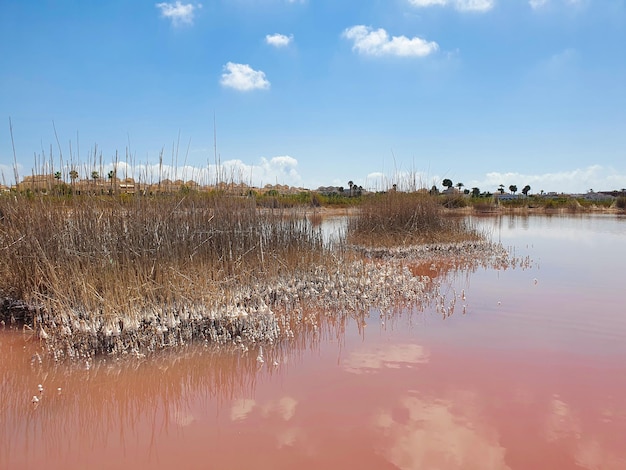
x,y
129,274
562,203
111,272
98,267
399,218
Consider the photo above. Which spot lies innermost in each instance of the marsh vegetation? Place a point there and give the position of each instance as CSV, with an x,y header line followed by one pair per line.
x,y
400,218
130,274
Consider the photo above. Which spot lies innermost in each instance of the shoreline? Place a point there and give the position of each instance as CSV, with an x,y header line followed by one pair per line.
x,y
261,314
259,307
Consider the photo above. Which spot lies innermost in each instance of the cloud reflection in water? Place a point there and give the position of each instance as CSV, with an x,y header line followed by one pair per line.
x,y
433,433
284,408
392,356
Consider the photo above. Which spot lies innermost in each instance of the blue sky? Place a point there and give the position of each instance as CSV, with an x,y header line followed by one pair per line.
x,y
319,92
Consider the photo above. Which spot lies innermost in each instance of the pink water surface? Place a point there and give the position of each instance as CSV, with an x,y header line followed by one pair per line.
x,y
531,376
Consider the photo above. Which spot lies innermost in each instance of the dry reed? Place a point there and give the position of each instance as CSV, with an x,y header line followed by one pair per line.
x,y
399,219
94,269
131,274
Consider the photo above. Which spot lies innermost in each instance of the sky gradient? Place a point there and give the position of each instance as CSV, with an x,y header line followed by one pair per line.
x,y
315,93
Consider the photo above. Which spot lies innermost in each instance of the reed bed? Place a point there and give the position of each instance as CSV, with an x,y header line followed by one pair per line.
x,y
131,274
107,274
397,218
117,275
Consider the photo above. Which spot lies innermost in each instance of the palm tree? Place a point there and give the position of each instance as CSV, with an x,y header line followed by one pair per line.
x,y
350,183
57,187
111,176
501,189
447,183
94,176
73,177
513,188
525,190
459,185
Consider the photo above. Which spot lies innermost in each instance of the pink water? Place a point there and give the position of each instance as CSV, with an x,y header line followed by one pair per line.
x,y
532,376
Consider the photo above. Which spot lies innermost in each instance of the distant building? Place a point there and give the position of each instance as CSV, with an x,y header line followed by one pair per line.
x,y
37,183
126,186
598,197
509,196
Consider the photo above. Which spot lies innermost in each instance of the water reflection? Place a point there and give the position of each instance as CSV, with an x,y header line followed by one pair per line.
x,y
439,433
391,356
537,381
558,226
284,408
104,403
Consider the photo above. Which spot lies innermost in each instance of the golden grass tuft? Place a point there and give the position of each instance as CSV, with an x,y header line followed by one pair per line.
x,y
130,274
102,267
399,218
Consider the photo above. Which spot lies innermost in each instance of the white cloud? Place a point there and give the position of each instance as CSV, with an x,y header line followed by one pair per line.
x,y
561,62
562,68
461,5
536,4
278,40
579,180
276,170
377,43
6,172
281,170
242,77
179,13
427,3
474,5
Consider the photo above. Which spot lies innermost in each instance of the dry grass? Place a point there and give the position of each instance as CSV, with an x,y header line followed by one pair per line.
x,y
134,274
399,219
103,267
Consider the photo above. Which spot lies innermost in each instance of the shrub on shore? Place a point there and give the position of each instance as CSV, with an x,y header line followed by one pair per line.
x,y
399,218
